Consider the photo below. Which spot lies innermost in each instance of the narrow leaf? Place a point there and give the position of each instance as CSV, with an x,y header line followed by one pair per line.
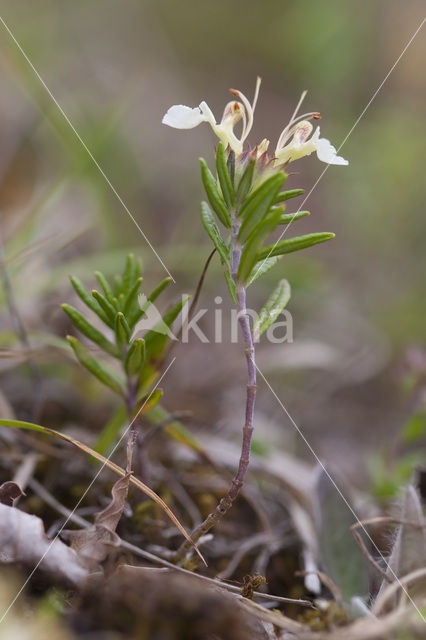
x,y
245,182
156,339
122,329
224,177
294,244
107,307
286,195
175,429
90,331
131,297
262,267
135,357
95,367
288,218
109,433
213,195
231,286
88,300
134,317
106,287
258,204
250,253
146,403
276,302
212,229
128,272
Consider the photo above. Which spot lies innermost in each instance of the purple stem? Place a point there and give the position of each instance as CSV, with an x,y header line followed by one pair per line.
x,y
238,481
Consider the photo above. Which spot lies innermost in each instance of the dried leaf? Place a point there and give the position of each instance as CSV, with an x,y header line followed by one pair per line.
x,y
95,543
23,540
9,491
111,465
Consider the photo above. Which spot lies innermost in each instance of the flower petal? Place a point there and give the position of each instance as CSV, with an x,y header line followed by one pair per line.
x,y
181,117
207,113
327,153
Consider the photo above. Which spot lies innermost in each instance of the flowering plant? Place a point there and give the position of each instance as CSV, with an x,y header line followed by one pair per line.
x,y
247,199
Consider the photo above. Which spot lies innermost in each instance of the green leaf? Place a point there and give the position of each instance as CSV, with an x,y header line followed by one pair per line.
x,y
288,218
231,286
212,229
286,195
128,273
146,403
109,433
213,195
245,182
90,331
107,307
122,329
117,285
415,428
257,205
135,357
174,429
156,292
276,302
131,296
224,177
339,553
156,339
88,300
294,244
230,163
106,288
262,267
250,253
138,313
95,367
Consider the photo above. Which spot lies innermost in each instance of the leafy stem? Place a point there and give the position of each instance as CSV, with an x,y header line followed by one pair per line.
x,y
247,198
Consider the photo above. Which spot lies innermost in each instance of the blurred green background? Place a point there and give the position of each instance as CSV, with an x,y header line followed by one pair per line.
x,y
115,67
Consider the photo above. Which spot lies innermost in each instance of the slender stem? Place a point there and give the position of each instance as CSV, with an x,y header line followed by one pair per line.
x,y
133,431
238,481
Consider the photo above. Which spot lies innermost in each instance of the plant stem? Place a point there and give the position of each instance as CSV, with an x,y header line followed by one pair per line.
x,y
133,430
238,481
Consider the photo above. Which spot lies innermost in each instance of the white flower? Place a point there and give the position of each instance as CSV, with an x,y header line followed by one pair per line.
x,y
299,129
181,117
301,145
294,142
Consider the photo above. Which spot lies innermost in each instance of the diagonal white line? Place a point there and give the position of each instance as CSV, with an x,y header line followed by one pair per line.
x,y
361,115
70,515
341,494
85,147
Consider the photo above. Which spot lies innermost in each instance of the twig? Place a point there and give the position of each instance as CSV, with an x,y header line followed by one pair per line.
x,y
197,293
245,547
81,522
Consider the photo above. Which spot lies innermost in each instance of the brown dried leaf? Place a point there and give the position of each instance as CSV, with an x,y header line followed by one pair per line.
x,y
23,540
95,543
9,491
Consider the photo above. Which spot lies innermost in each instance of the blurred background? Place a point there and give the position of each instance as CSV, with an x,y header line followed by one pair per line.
x,y
358,302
